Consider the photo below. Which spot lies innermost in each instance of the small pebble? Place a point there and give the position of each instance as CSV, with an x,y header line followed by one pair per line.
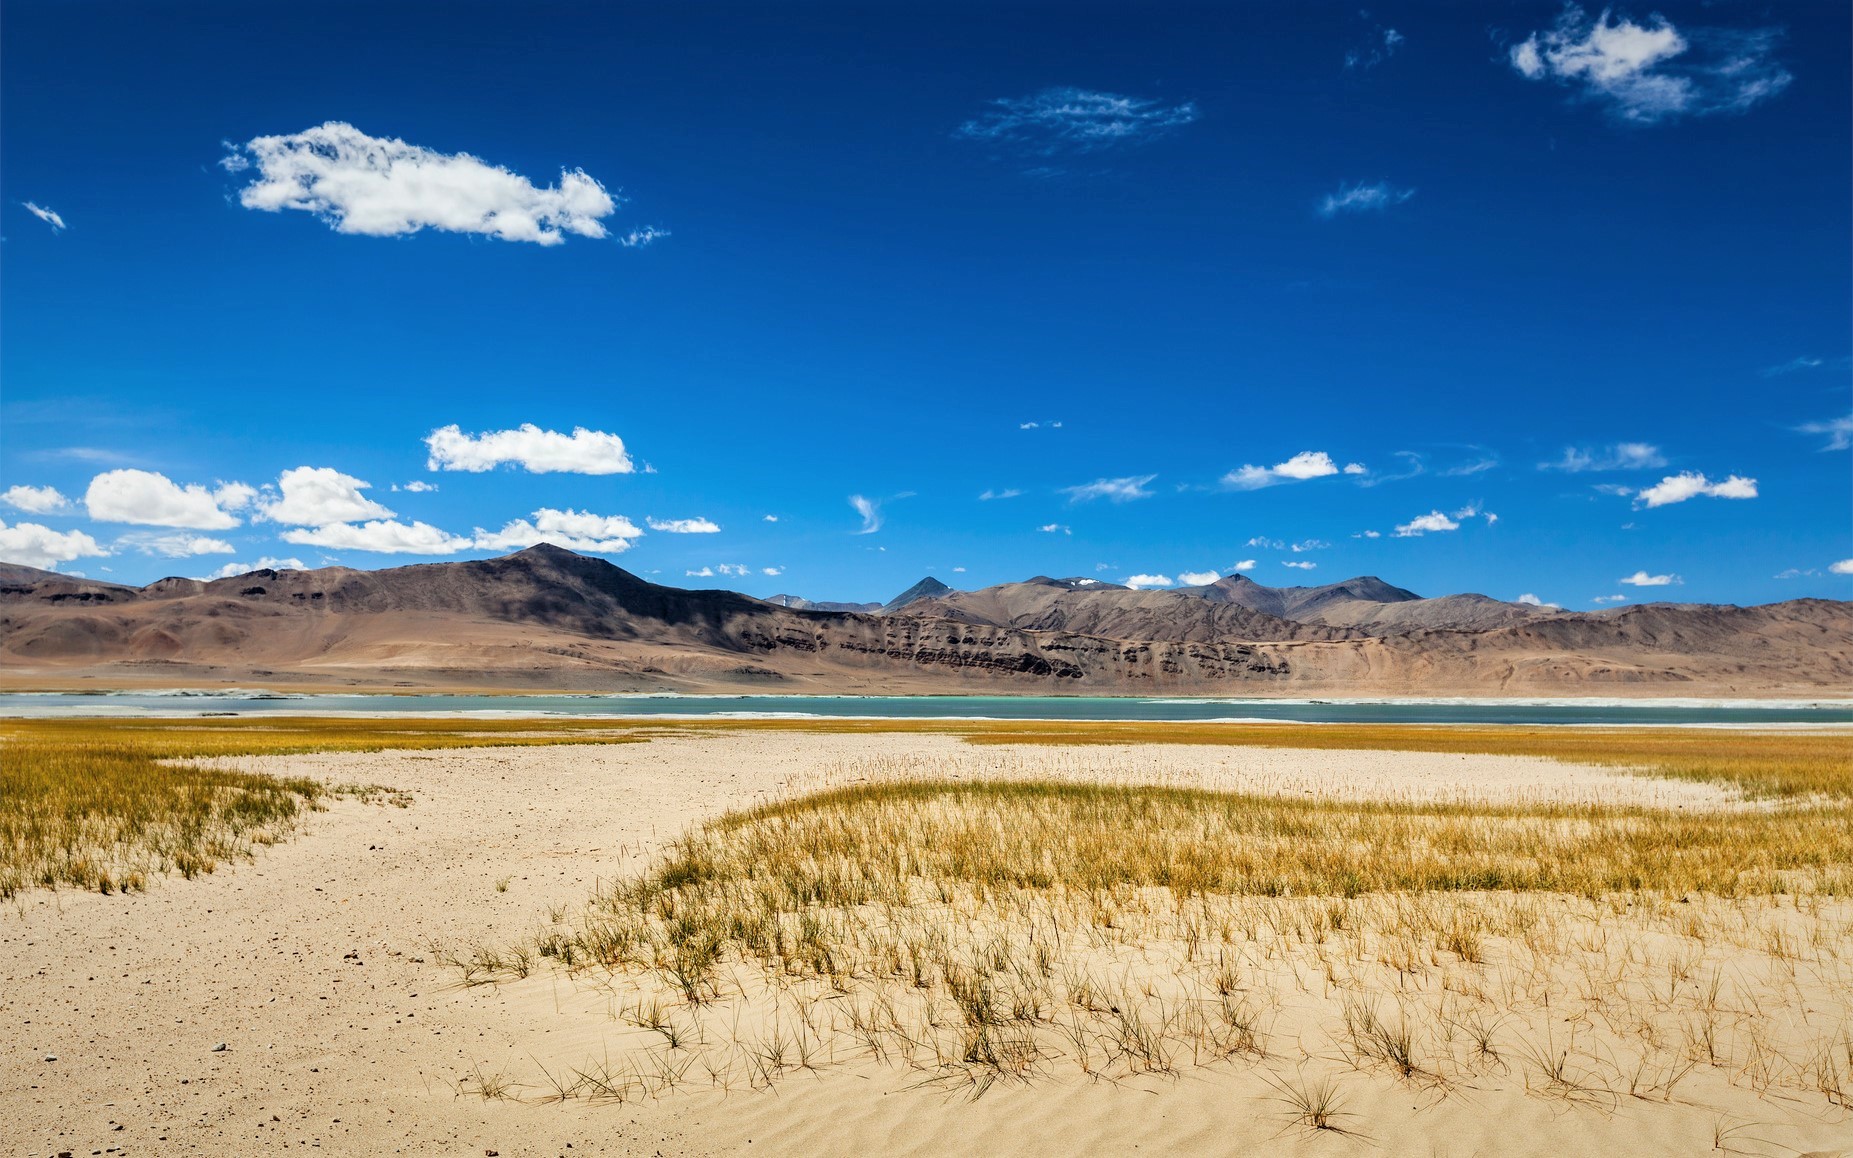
x,y
220,1048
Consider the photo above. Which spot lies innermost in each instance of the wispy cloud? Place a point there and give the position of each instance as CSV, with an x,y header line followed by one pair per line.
x,y
383,187
1619,456
992,496
174,546
1299,564
1378,47
1118,490
48,216
1058,120
638,238
1793,365
1690,485
1363,197
1050,424
870,510
1839,432
1610,599
1643,579
1055,529
695,526
1307,464
1653,72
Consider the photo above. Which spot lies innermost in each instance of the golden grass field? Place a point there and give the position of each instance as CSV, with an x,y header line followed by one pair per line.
x,y
1010,929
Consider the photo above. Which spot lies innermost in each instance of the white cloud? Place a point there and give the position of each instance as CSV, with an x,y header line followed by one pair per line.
x,y
1264,541
777,571
1843,567
1309,545
1620,456
1244,565
772,518
1074,120
1610,599
267,563
1690,484
574,530
638,238
1146,582
1363,197
383,187
1381,46
36,500
48,216
1054,529
1302,565
1647,73
1532,600
1434,521
153,500
1643,579
1198,578
34,545
695,526
1118,490
1839,432
704,573
1355,468
870,510
1803,362
1307,464
988,496
1615,489
176,546
317,496
530,448
1797,573
1368,535
416,486
382,536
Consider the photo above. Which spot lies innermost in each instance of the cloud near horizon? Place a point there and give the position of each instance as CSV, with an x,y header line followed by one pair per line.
x,y
151,499
36,545
1643,579
319,496
530,448
384,187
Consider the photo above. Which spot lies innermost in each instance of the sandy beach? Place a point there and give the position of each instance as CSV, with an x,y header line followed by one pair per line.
x,y
297,1002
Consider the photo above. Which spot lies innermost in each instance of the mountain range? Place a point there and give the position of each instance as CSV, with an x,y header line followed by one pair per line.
x,y
549,619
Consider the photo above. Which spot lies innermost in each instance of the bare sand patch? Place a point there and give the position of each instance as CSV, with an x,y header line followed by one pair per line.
x,y
313,966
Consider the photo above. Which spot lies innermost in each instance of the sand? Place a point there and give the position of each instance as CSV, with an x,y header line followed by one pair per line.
x,y
341,1032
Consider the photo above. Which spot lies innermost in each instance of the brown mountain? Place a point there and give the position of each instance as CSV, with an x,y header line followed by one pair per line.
x,y
546,618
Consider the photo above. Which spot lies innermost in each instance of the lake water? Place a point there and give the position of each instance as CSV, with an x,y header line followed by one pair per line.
x,y
1586,712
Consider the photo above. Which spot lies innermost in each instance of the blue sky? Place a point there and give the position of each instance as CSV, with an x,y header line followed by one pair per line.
x,y
1192,286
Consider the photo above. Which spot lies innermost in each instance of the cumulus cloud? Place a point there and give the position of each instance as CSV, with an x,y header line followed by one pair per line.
x,y
870,510
152,499
1244,565
1690,484
574,530
1117,490
176,546
1058,120
316,496
1619,456
1363,197
1843,567
36,500
416,486
1198,578
1305,465
384,187
772,518
695,526
989,496
530,448
1533,601
1839,432
267,563
48,216
1643,579
1653,72
1055,529
381,536
34,545
1147,582
1432,523
777,571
